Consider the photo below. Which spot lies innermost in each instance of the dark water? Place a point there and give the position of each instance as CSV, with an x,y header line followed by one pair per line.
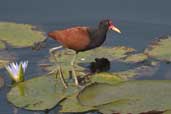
x,y
140,22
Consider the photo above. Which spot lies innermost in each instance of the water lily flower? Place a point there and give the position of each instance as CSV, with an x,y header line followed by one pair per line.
x,y
16,71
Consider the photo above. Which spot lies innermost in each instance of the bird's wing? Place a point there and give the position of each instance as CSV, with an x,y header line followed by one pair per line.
x,y
76,38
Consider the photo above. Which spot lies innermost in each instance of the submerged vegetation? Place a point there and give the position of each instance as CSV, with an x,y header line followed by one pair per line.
x,y
106,92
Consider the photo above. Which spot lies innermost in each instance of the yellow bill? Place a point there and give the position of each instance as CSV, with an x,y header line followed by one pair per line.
x,y
112,27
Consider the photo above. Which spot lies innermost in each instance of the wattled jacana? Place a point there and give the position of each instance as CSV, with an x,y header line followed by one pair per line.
x,y
82,38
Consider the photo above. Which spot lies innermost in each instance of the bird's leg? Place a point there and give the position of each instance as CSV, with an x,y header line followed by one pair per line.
x,y
59,69
73,60
62,77
54,49
73,70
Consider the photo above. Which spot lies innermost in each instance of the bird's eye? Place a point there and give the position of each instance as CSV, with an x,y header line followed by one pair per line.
x,y
109,22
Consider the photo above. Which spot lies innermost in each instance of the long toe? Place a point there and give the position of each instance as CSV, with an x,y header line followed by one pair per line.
x,y
75,77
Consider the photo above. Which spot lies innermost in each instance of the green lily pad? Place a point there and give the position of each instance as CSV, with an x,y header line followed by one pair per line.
x,y
143,70
88,56
71,104
128,97
2,45
167,112
64,57
117,77
135,58
160,49
20,35
112,53
39,93
105,77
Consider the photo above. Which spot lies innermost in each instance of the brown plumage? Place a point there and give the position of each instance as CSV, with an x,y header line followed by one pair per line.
x,y
73,38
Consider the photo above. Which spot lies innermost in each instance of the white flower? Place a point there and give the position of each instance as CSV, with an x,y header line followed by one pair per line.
x,y
16,71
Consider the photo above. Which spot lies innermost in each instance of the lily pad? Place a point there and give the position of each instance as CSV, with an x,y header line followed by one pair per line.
x,y
112,53
130,74
71,104
20,35
88,56
137,72
109,78
128,97
2,45
160,49
135,58
64,57
112,77
167,112
39,93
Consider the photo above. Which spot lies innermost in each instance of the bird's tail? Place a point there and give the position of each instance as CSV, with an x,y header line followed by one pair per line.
x,y
50,34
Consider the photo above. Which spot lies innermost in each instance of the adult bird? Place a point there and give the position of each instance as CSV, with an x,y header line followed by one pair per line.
x,y
82,39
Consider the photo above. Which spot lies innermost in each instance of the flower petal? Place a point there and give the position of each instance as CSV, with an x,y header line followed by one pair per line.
x,y
16,71
24,65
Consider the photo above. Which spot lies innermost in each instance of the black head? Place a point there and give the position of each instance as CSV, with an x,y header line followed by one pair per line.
x,y
107,24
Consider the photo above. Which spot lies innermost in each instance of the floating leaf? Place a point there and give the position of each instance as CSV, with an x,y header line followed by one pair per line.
x,y
2,45
137,72
109,78
160,49
39,93
167,112
106,52
96,94
116,77
71,104
128,97
65,56
141,70
122,51
20,35
135,58
88,56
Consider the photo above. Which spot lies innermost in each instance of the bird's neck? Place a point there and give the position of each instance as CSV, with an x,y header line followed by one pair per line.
x,y
102,31
97,37
101,35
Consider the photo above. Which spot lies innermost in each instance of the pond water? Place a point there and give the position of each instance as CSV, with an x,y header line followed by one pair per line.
x,y
140,22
